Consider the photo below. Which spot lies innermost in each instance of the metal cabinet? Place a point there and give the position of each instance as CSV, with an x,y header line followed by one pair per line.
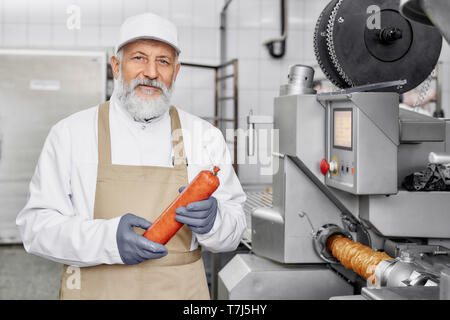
x,y
37,89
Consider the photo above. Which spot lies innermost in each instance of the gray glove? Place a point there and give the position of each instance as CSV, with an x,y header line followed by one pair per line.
x,y
198,215
134,248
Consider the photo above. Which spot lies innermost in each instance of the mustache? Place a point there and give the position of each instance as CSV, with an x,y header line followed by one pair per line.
x,y
148,82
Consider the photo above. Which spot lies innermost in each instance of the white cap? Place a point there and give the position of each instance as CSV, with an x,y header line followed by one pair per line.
x,y
148,26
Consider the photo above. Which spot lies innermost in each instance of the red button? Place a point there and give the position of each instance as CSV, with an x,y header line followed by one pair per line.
x,y
324,167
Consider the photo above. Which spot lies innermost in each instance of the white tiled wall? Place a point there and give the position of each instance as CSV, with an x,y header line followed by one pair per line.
x,y
250,23
42,24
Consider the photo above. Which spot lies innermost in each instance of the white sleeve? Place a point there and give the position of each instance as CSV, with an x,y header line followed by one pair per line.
x,y
230,222
49,225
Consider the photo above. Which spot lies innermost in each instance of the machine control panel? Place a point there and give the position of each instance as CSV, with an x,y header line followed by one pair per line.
x,y
325,166
334,168
361,150
342,145
343,128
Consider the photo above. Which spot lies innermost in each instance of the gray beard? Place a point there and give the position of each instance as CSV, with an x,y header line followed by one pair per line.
x,y
142,110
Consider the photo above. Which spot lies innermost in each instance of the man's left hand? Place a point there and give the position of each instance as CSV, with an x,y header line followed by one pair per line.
x,y
198,215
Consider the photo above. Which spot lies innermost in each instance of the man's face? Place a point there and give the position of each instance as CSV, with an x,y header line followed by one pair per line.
x,y
151,59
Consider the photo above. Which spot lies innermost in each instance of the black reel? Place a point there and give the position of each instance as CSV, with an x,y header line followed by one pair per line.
x,y
359,42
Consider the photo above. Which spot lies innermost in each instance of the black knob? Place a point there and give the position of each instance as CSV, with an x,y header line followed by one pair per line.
x,y
389,34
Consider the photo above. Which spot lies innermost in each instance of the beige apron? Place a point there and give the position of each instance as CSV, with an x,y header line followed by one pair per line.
x,y
145,191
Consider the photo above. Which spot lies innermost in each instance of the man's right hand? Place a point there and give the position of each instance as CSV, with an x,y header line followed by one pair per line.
x,y
134,248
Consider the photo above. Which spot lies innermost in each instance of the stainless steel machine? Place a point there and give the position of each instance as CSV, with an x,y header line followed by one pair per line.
x,y
342,158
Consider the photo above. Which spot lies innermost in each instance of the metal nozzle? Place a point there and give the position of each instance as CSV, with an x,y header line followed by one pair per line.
x,y
321,237
300,80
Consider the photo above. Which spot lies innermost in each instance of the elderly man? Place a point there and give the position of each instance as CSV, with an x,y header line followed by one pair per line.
x,y
107,172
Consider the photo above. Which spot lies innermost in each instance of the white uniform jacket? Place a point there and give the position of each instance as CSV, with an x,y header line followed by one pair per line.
x,y
57,221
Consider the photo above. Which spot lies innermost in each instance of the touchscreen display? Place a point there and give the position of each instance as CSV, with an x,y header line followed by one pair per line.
x,y
342,128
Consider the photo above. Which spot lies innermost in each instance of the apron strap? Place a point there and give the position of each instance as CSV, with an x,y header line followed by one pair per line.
x,y
177,139
104,137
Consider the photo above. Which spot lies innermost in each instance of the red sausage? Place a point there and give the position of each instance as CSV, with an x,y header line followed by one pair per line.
x,y
201,188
